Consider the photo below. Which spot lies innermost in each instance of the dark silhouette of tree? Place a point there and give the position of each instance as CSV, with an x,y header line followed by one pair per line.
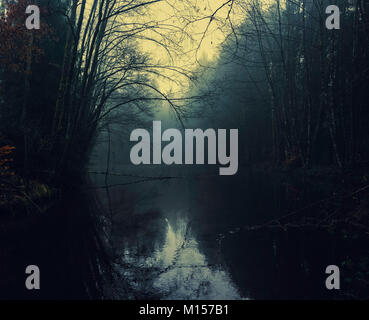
x,y
304,83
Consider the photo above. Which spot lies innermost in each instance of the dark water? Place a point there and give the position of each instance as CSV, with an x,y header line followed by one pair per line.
x,y
186,238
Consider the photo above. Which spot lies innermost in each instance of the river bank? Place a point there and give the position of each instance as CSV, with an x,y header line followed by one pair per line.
x,y
64,240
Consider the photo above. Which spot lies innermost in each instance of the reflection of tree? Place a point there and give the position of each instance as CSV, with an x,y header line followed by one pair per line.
x,y
177,270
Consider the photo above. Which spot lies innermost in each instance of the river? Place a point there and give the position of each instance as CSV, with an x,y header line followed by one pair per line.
x,y
187,237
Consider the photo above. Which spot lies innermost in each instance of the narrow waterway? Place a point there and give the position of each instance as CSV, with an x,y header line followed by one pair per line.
x,y
186,237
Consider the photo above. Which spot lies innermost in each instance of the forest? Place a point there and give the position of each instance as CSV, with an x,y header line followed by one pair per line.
x,y
296,91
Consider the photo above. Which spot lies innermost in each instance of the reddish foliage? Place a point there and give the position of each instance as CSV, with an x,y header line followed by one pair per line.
x,y
15,42
5,159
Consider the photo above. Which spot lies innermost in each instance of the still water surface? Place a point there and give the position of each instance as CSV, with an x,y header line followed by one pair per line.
x,y
185,238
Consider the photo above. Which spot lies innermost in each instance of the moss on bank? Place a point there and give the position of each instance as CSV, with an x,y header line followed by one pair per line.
x,y
18,200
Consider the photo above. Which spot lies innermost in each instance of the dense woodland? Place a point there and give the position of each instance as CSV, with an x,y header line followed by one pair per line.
x,y
296,90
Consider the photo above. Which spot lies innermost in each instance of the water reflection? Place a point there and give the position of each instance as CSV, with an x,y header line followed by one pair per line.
x,y
179,270
203,250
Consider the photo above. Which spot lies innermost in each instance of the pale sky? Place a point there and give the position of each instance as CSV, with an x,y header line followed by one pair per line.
x,y
175,12
183,23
